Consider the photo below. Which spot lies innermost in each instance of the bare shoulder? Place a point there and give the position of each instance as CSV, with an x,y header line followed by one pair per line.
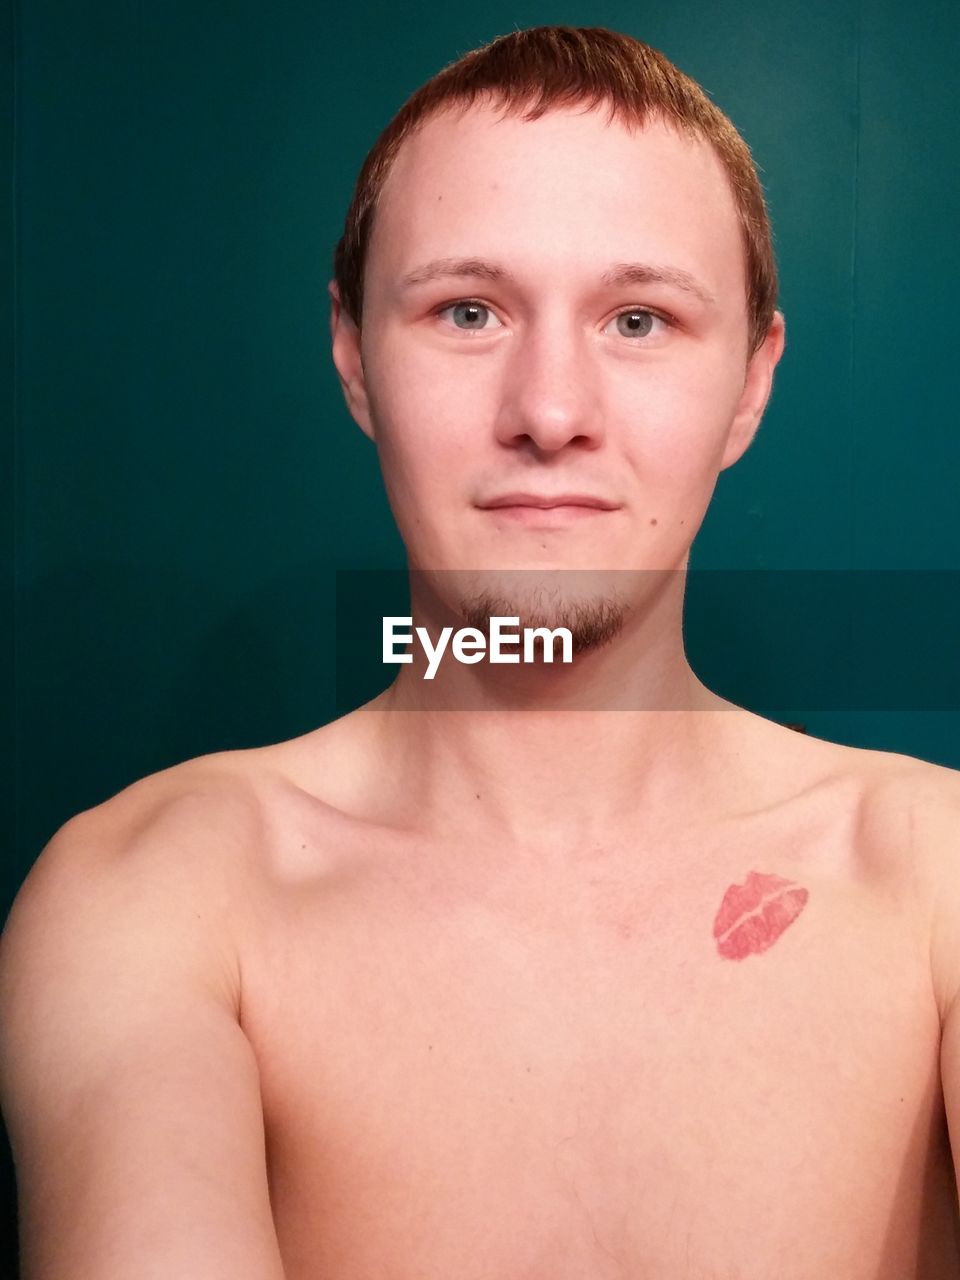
x,y
908,806
930,797
121,1033
208,828
185,839
916,800
901,813
209,813
911,817
891,781
217,796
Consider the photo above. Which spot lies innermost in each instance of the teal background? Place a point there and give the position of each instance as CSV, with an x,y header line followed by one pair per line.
x,y
186,477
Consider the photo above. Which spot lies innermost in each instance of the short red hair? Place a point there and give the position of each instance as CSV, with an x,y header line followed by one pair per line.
x,y
529,72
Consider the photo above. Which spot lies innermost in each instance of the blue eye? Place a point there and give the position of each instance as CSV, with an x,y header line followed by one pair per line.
x,y
638,322
473,313
470,316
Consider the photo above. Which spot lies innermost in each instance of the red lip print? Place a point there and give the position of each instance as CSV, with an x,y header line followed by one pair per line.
x,y
753,915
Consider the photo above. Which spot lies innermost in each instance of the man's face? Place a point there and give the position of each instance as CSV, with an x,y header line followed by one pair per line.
x,y
549,375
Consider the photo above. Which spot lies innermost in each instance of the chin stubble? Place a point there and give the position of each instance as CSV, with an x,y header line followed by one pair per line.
x,y
591,623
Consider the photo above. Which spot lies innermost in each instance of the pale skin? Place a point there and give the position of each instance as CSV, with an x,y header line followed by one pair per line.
x,y
471,982
558,401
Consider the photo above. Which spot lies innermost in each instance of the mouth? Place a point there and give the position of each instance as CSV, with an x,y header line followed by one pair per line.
x,y
541,511
546,517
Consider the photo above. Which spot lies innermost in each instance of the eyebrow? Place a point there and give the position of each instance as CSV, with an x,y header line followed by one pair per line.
x,y
622,273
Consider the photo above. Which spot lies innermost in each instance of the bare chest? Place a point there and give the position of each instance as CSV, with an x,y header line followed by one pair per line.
x,y
622,1074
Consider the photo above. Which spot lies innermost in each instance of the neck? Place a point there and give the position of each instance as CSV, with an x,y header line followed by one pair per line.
x,y
564,755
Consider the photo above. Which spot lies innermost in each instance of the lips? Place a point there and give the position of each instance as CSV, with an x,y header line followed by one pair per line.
x,y
547,502
753,915
546,517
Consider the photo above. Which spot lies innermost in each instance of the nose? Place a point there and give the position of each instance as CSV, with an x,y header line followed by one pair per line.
x,y
550,391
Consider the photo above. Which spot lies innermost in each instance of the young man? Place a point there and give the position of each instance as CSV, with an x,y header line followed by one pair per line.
x,y
528,970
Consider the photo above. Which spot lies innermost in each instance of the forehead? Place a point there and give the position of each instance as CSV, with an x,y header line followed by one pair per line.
x,y
571,187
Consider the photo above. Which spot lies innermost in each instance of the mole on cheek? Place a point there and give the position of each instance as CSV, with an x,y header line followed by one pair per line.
x,y
653,519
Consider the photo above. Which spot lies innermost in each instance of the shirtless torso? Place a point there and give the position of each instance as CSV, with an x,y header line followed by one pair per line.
x,y
473,1069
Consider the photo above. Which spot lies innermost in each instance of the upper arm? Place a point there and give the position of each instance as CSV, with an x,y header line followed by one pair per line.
x,y
130,1092
950,1076
941,835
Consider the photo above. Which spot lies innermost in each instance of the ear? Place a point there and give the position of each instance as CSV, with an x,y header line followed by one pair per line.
x,y
756,392
349,363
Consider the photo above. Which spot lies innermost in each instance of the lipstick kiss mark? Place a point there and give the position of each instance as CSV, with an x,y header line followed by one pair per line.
x,y
753,915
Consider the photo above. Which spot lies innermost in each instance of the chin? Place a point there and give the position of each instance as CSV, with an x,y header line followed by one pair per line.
x,y
592,604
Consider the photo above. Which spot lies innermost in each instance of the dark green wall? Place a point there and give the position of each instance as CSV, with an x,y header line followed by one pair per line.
x,y
187,479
